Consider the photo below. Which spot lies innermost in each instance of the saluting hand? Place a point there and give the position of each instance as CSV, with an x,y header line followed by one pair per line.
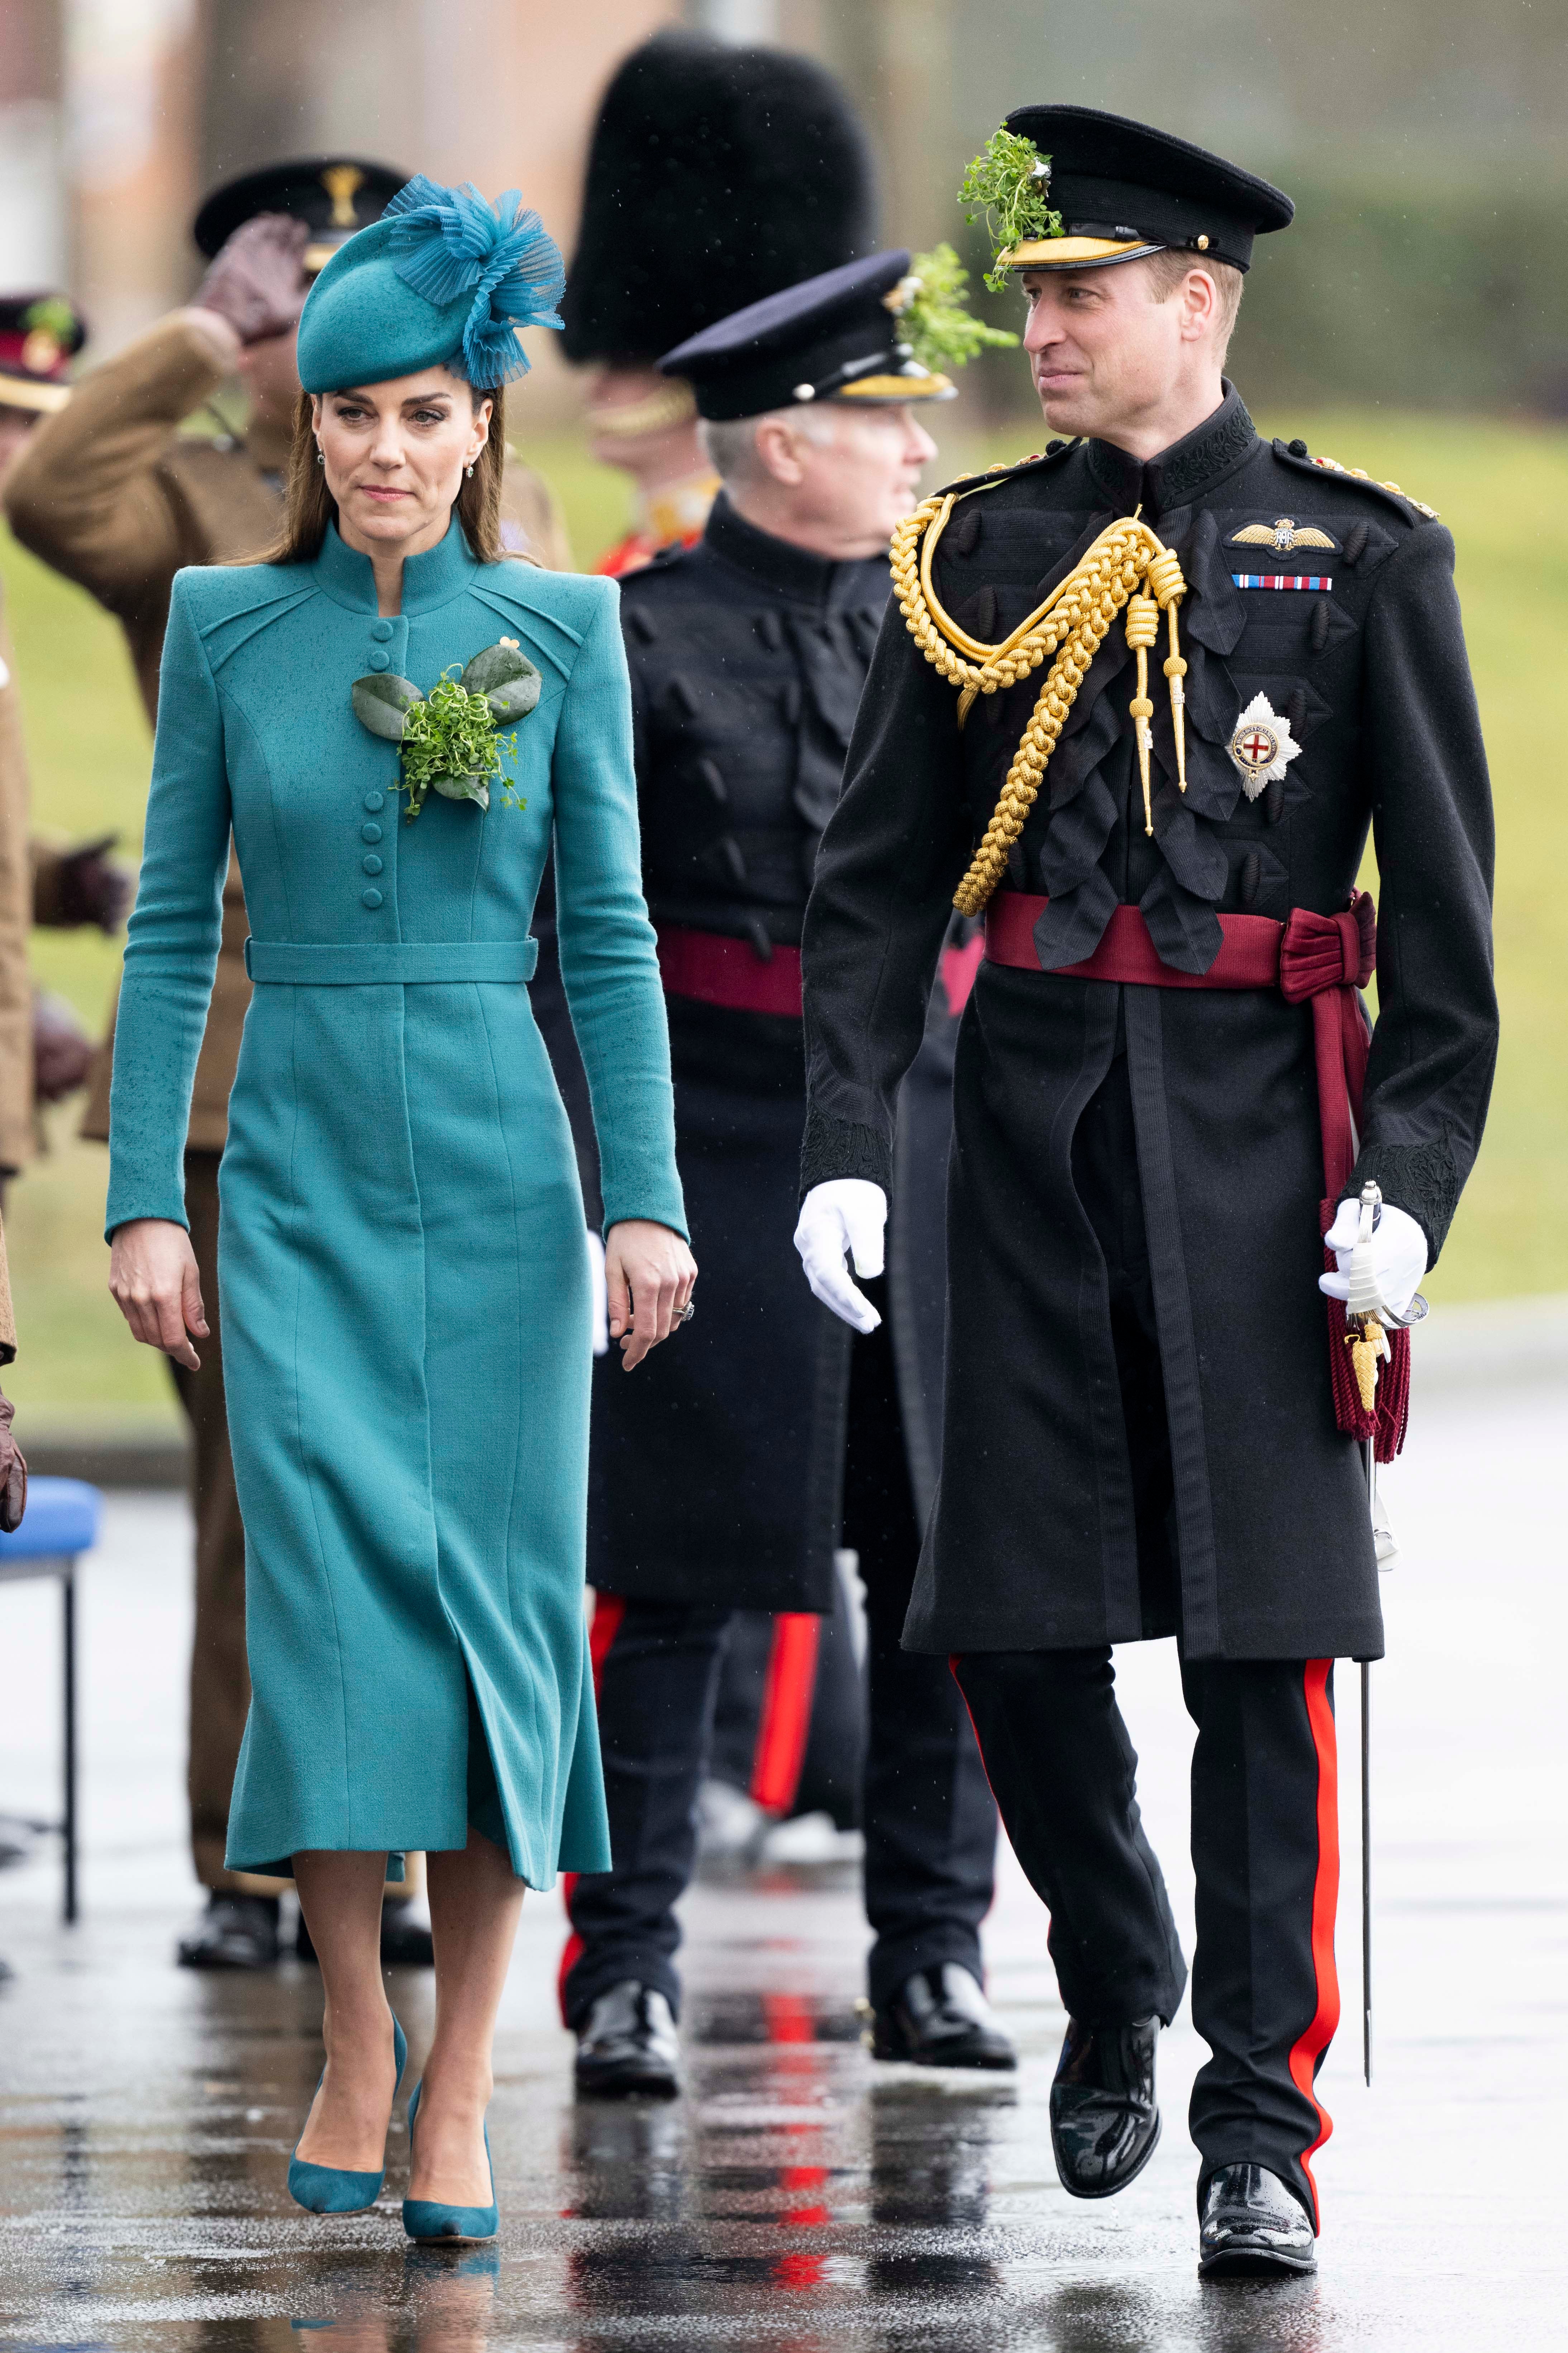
x,y
257,283
153,1281
648,1275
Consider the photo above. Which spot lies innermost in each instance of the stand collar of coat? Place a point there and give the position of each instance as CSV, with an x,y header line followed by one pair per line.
x,y
443,572
1190,469
821,581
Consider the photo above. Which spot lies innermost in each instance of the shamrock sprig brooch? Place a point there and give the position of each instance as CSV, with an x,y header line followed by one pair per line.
x,y
450,739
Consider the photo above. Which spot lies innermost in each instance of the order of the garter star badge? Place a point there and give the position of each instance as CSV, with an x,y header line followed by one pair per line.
x,y
1262,746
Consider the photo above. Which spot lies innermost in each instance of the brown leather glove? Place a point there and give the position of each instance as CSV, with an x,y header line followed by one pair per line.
x,y
13,1474
258,282
83,886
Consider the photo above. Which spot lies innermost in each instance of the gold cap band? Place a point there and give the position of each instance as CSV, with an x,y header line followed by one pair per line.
x,y
920,386
1073,252
629,420
28,392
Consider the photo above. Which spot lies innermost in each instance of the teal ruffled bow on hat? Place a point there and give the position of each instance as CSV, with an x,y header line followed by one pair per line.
x,y
443,280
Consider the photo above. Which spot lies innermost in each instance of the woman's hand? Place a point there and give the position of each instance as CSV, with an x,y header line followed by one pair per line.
x,y
153,1281
649,1273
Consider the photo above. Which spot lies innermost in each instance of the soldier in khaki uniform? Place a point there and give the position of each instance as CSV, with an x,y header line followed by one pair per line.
x,y
114,494
45,1054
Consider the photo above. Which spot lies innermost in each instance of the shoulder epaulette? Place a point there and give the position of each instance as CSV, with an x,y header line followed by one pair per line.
x,y
988,479
1296,453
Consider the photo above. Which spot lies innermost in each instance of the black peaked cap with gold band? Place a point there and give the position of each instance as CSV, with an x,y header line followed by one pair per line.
x,y
833,337
1124,190
332,195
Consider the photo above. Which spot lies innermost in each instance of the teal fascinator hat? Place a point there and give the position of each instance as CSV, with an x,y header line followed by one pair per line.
x,y
442,280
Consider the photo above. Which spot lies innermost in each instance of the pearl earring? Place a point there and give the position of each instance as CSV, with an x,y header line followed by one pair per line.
x,y
469,471
320,457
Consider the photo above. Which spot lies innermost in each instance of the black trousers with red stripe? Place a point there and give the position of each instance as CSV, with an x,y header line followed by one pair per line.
x,y
929,1819
1264,1795
1265,1849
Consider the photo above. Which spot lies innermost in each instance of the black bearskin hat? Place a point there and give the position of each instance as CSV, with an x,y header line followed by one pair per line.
x,y
716,175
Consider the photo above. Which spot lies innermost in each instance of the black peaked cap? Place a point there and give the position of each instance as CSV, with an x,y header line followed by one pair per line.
x,y
715,175
833,338
1124,184
332,195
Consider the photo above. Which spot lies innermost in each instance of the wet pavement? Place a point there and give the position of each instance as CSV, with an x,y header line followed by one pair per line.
x,y
800,2198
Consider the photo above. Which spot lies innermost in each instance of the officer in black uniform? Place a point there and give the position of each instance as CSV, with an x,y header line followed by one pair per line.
x,y
774,1437
1158,783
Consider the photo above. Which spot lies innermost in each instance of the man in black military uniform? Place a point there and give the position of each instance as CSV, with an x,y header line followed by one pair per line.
x,y
774,1437
1142,699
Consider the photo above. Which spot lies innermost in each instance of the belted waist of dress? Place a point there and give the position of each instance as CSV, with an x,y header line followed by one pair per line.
x,y
1323,960
333,964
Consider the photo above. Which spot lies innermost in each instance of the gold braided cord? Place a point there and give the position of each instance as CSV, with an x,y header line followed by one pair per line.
x,y
1067,631
1360,474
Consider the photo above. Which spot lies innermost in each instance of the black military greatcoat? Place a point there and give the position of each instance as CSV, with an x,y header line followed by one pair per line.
x,y
1035,1538
716,1469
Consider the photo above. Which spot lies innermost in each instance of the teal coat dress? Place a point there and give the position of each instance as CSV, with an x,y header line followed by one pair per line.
x,y
403,1274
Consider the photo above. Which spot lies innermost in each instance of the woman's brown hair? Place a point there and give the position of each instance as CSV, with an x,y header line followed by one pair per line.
x,y
308,506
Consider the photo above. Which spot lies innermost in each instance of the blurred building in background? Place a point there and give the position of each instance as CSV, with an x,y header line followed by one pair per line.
x,y
1421,137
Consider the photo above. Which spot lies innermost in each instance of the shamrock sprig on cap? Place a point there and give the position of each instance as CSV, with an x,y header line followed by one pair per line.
x,y
1009,183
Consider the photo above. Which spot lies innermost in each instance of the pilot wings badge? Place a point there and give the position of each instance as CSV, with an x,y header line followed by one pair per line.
x,y
1284,536
1262,746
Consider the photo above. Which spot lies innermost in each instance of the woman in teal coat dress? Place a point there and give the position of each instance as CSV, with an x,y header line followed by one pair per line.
x,y
404,1278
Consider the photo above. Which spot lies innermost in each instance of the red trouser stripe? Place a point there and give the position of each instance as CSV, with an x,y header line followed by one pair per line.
x,y
1307,2054
787,1696
609,1609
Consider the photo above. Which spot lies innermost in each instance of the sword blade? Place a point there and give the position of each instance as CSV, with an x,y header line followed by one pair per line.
x,y
1366,1870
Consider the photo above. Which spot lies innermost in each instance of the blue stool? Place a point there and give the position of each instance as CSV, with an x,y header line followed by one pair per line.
x,y
59,1523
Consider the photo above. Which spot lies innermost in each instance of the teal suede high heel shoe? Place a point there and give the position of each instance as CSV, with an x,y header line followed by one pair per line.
x,y
423,2219
327,2188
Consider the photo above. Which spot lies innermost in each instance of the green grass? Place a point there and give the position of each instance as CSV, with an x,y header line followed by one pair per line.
x,y
1499,488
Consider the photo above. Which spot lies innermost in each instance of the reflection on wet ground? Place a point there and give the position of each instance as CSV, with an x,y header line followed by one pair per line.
x,y
800,2198
797,2198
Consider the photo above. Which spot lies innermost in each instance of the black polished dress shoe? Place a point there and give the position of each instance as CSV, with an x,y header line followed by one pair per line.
x,y
1104,2122
1252,2226
405,1943
940,2018
627,2046
235,1932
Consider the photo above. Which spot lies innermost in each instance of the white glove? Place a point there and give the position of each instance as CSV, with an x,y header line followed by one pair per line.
x,y
601,1293
847,1215
1393,1263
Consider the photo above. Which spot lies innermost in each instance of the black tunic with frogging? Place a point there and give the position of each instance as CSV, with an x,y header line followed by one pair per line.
x,y
716,1469
1033,1540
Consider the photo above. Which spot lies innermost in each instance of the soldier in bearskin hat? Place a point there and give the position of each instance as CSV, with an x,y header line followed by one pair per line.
x,y
715,175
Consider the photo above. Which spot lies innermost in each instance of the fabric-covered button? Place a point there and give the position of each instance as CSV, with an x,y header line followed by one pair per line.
x,y
382,629
372,865
370,898
375,800
379,658
370,833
